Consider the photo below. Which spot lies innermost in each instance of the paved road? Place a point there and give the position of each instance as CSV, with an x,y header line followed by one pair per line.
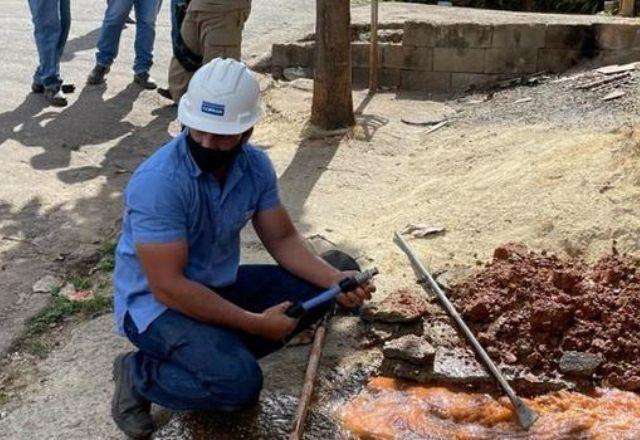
x,y
63,170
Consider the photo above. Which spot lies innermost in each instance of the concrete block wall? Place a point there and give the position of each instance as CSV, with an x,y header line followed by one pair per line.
x,y
437,57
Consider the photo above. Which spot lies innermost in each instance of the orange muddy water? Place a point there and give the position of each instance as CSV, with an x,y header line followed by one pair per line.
x,y
391,409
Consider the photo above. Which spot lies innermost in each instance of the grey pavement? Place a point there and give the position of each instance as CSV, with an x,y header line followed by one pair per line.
x,y
63,169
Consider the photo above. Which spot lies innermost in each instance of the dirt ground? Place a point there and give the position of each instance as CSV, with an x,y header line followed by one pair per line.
x,y
540,173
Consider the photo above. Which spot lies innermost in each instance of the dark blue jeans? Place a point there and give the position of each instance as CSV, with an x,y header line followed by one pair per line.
x,y
184,364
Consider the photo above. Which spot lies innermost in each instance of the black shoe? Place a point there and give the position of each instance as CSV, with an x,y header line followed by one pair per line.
x,y
129,20
97,75
145,81
165,93
54,97
66,88
130,411
37,88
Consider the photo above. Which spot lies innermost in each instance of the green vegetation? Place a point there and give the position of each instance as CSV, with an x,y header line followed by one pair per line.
x,y
38,339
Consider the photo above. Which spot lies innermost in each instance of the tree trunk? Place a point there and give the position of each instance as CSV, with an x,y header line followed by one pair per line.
x,y
627,8
332,100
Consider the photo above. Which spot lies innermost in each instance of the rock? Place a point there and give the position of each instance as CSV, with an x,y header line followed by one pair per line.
x,y
510,250
400,306
478,311
614,95
83,257
67,291
579,363
410,348
613,69
382,331
293,73
440,334
304,84
453,275
458,366
47,284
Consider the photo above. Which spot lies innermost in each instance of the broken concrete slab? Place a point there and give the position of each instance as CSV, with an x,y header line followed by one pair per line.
x,y
380,332
440,334
458,366
410,348
580,363
400,306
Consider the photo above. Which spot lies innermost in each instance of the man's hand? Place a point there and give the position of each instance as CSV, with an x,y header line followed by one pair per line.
x,y
273,324
357,296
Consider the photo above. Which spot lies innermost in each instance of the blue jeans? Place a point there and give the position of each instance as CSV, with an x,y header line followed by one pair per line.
x,y
184,364
51,20
114,20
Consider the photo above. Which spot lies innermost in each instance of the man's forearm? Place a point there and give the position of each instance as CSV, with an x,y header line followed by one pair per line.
x,y
293,253
203,304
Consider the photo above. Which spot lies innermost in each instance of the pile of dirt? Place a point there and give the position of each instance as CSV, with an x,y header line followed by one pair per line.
x,y
537,311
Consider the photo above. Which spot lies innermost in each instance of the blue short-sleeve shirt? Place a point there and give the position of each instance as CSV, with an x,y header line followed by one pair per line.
x,y
170,199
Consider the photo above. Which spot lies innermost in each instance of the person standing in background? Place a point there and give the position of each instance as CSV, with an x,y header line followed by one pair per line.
x,y
51,21
208,29
146,12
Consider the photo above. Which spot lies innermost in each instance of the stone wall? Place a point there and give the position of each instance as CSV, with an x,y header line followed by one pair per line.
x,y
447,57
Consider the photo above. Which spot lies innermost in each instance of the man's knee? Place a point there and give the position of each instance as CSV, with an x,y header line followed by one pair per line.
x,y
239,387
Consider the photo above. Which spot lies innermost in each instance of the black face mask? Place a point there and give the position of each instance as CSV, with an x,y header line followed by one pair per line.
x,y
209,160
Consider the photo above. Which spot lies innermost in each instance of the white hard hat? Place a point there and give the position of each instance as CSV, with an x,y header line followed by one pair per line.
x,y
223,98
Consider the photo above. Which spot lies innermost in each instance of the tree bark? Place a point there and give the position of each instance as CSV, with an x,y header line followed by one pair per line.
x,y
627,8
332,100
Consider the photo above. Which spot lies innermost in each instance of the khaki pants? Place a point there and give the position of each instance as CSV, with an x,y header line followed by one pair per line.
x,y
211,34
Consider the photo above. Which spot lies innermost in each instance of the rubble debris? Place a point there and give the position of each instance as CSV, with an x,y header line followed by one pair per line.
x,y
294,73
400,306
47,284
614,95
413,349
535,307
421,231
591,85
458,366
615,68
380,332
523,100
580,364
440,334
304,84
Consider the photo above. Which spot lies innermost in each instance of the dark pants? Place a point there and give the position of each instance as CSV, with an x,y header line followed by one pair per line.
x,y
184,364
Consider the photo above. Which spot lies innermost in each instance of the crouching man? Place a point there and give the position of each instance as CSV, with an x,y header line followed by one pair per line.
x,y
199,320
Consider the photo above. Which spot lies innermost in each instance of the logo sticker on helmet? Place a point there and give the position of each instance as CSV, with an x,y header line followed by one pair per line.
x,y
212,109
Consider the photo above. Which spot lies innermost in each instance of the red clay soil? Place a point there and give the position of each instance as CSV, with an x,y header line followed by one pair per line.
x,y
527,308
